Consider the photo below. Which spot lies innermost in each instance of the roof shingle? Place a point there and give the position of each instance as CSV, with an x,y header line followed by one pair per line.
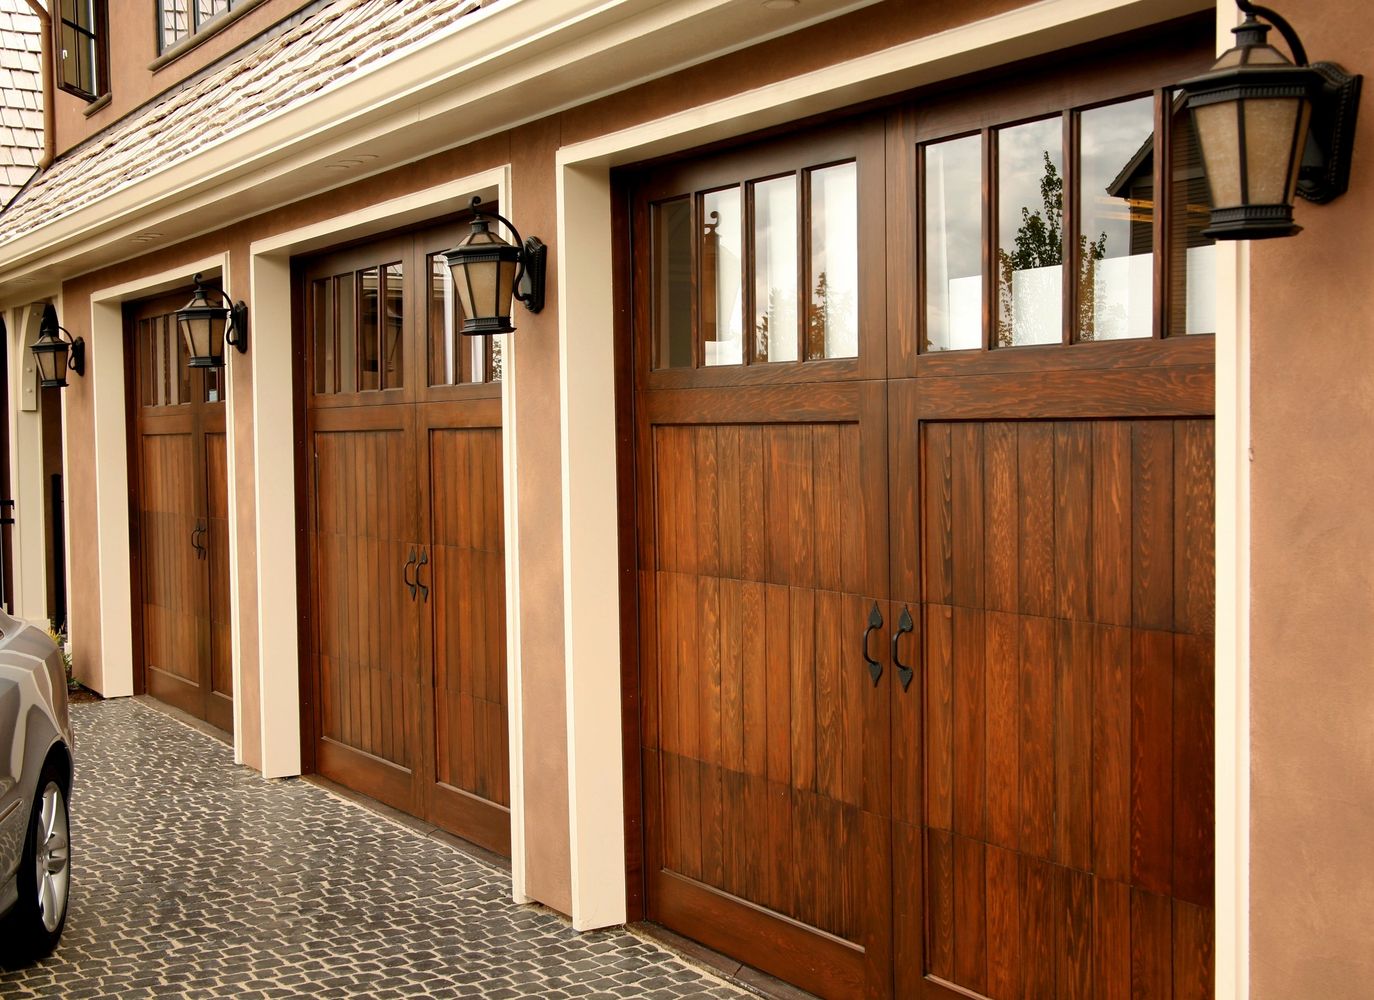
x,y
331,44
21,96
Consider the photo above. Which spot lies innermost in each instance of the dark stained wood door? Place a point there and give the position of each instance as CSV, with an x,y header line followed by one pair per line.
x,y
406,527
1010,469
179,471
761,463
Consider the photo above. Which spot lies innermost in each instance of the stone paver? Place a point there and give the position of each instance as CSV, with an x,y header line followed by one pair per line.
x,y
195,878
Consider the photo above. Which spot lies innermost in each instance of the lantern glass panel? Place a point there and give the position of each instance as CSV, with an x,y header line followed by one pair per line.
x,y
462,277
1270,128
1219,134
52,364
505,287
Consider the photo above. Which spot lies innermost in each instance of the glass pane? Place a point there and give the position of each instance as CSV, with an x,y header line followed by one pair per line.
x,y
775,269
954,244
323,336
369,296
1192,256
1116,212
147,392
496,360
346,321
721,302
161,366
71,68
1030,219
672,241
176,21
182,373
441,331
832,321
393,346
214,384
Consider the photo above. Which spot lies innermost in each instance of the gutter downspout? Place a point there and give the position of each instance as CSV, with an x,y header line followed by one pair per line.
x,y
49,112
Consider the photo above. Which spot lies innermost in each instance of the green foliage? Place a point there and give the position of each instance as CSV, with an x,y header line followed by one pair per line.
x,y
60,638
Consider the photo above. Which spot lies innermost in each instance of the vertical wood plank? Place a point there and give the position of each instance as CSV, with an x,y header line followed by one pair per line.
x,y
937,514
1074,946
939,701
1152,681
1111,939
970,713
1037,737
940,910
1111,771
970,915
1035,477
966,514
1004,924
1001,479
802,664
1194,534
1152,524
1194,954
1039,907
1003,729
1073,520
1073,748
1151,946
1193,767
1111,522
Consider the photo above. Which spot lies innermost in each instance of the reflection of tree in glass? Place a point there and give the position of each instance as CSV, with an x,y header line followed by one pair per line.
x,y
829,320
1040,243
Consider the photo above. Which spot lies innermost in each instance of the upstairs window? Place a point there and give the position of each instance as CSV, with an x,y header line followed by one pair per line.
x,y
180,19
80,27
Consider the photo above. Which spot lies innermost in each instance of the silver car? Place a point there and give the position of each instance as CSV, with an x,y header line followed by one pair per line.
x,y
35,782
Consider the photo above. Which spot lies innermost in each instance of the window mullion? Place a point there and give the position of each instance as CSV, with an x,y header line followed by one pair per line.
x,y
1163,202
1068,230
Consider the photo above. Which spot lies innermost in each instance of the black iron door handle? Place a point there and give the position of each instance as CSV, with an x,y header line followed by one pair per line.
x,y
424,561
875,622
405,574
195,543
904,625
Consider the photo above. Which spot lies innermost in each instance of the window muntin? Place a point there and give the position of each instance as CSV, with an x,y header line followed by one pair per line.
x,y
1082,185
180,19
803,234
80,27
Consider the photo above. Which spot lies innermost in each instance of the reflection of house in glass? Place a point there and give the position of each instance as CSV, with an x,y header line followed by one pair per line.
x,y
1190,252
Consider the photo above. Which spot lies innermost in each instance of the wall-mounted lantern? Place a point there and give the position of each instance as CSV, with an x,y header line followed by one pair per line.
x,y
207,328
488,273
1271,129
55,355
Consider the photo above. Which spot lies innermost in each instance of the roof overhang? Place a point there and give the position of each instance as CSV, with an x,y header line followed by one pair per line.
x,y
515,62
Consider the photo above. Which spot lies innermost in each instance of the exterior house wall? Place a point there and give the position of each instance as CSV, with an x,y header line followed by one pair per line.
x,y
1311,872
1312,586
133,53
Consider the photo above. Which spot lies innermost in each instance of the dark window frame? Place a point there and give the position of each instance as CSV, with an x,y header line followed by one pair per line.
x,y
98,34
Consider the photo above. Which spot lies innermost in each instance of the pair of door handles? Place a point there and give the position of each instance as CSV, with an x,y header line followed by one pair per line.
x,y
414,584
905,624
197,533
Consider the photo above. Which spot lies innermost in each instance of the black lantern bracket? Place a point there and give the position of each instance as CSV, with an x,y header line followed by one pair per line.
x,y
534,255
50,331
1324,174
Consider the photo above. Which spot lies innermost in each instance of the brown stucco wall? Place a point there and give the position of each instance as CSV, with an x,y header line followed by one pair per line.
x,y
1312,611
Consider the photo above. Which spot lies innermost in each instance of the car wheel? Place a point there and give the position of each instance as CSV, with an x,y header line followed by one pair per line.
x,y
36,922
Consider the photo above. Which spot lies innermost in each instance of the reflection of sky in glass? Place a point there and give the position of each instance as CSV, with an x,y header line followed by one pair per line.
x,y
954,251
835,255
775,269
721,226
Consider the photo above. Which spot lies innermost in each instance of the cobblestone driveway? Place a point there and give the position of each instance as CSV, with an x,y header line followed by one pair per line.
x,y
196,878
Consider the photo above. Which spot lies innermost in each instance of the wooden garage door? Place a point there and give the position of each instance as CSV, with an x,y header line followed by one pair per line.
x,y
180,475
405,516
925,544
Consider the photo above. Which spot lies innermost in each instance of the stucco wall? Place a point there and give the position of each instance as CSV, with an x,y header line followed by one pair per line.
x,y
1312,611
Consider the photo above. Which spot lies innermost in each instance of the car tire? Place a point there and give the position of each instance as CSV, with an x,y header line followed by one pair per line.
x,y
34,925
